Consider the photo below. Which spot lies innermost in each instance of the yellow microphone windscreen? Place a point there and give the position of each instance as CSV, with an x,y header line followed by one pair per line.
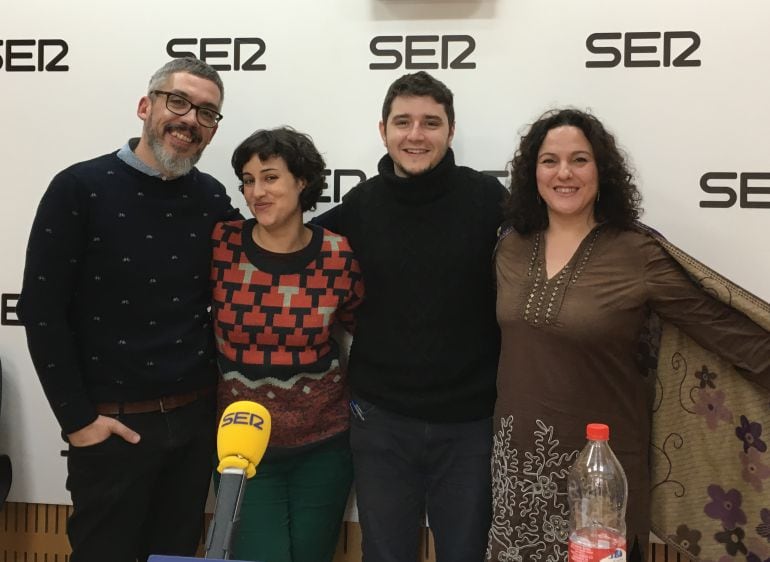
x,y
244,431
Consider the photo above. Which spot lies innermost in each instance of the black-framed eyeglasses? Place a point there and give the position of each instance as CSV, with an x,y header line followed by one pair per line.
x,y
180,105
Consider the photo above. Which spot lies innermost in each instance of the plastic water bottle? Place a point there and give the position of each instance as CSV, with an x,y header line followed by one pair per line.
x,y
597,497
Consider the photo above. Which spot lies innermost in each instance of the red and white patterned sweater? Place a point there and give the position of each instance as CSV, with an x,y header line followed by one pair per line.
x,y
273,315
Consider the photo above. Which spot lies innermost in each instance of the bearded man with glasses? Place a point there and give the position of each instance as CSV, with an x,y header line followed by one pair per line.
x,y
115,305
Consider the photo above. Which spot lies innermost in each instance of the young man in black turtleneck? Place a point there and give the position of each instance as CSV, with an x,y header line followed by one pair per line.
x,y
424,355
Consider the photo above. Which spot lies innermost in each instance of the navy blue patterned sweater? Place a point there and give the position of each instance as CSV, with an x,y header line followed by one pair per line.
x,y
116,294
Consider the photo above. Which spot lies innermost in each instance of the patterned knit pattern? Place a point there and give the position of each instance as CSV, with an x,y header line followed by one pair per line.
x,y
116,292
273,319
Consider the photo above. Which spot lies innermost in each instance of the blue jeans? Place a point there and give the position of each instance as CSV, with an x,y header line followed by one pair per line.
x,y
405,468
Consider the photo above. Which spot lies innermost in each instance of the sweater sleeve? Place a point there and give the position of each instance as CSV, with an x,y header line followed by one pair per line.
x,y
330,220
228,212
712,324
344,218
500,195
345,313
57,244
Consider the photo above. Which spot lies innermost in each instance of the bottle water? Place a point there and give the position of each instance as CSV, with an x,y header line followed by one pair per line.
x,y
597,497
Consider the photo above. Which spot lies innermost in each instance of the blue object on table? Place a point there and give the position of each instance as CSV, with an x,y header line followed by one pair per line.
x,y
162,558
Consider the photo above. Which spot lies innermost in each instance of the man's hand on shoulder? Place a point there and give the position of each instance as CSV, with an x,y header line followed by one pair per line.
x,y
99,430
330,220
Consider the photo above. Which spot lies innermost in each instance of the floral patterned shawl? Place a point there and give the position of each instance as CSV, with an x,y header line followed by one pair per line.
x,y
710,431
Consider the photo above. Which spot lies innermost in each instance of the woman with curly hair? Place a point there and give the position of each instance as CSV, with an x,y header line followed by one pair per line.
x,y
279,285
577,280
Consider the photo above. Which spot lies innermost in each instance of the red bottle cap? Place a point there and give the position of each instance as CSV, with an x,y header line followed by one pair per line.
x,y
597,432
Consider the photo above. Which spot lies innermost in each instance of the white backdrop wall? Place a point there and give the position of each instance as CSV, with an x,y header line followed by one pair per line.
x,y
682,84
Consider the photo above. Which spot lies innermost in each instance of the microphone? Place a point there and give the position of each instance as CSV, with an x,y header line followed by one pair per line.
x,y
241,442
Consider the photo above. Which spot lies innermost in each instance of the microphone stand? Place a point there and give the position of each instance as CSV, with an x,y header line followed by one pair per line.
x,y
225,520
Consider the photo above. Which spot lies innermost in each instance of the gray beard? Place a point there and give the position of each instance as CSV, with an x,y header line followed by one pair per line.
x,y
171,165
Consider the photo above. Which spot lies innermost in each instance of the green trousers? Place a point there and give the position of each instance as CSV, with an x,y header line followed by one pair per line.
x,y
292,508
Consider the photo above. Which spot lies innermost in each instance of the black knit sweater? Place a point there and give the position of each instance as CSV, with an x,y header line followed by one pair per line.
x,y
427,341
116,286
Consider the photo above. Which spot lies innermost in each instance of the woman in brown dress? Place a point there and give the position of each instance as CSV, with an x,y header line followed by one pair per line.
x,y
577,279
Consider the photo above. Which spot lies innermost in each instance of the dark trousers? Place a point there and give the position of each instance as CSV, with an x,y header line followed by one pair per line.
x,y
405,468
131,501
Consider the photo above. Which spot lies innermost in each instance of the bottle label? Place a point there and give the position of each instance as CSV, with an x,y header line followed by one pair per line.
x,y
602,547
580,553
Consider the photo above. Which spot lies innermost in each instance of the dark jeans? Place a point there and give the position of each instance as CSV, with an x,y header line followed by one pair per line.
x,y
406,467
131,501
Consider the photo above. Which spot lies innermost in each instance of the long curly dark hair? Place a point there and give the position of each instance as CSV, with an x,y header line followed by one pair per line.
x,y
620,200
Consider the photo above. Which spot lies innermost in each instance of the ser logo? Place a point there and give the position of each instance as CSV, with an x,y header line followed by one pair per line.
x,y
751,186
343,176
501,175
8,316
643,49
240,53
30,55
423,52
243,418
338,176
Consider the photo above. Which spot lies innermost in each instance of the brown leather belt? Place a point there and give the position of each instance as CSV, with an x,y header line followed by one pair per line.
x,y
162,404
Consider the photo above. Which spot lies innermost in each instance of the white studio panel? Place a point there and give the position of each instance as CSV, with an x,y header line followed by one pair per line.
x,y
681,84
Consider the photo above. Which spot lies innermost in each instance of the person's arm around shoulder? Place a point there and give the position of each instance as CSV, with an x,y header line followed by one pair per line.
x,y
495,194
490,190
354,298
342,218
330,220
225,210
498,191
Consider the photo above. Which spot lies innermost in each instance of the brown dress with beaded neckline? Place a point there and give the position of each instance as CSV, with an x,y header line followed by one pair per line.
x,y
569,357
